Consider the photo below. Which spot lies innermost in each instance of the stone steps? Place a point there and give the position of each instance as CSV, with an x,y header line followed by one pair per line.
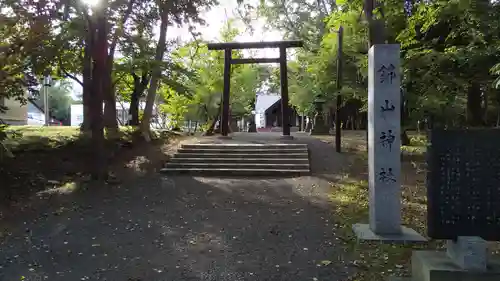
x,y
245,146
231,150
229,165
240,155
240,159
236,172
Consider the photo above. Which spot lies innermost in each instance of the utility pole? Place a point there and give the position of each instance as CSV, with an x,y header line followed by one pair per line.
x,y
46,84
338,129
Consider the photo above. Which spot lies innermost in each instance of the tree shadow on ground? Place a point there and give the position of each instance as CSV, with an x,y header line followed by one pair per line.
x,y
196,228
181,228
50,165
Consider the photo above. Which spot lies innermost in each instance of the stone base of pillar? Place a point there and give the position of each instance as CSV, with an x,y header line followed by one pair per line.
x,y
286,137
364,232
438,266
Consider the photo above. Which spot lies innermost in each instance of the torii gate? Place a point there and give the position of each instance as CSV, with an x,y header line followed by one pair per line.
x,y
228,60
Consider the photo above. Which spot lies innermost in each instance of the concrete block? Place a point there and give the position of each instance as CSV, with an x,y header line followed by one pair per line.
x,y
364,232
470,253
438,266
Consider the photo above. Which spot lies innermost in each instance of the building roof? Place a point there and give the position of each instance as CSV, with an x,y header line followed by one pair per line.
x,y
263,102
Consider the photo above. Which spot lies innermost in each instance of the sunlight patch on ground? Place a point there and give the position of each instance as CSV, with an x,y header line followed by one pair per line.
x,y
413,150
415,206
64,189
137,163
350,191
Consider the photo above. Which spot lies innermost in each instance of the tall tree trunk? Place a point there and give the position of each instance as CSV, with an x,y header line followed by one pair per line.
x,y
99,55
484,98
134,103
474,108
405,139
87,78
110,118
376,27
140,84
210,130
110,113
155,74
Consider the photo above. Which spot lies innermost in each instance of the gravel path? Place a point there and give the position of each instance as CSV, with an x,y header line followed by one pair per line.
x,y
186,228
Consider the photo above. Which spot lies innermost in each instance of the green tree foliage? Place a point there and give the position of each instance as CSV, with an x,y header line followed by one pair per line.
x,y
176,107
59,100
450,55
68,39
495,70
207,83
299,19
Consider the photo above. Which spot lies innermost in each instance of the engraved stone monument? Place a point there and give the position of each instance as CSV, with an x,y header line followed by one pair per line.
x,y
463,206
384,164
463,184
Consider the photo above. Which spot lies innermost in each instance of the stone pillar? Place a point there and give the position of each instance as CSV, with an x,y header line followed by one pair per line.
x,y
384,164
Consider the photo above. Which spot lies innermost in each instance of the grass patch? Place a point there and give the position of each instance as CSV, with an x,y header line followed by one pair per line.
x,y
413,150
377,261
418,140
350,194
33,138
54,160
21,137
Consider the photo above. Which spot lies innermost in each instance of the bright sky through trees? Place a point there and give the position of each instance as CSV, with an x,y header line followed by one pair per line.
x,y
91,2
215,19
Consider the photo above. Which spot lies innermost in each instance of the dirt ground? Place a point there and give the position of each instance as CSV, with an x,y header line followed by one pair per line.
x,y
146,226
152,227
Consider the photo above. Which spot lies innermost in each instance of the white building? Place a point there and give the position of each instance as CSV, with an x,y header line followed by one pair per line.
x,y
262,103
21,114
122,114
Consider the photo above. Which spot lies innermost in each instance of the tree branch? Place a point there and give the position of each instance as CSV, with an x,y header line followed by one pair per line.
x,y
120,28
67,74
117,80
289,20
